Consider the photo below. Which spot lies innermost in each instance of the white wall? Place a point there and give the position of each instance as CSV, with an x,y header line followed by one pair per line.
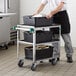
x,y
72,15
27,7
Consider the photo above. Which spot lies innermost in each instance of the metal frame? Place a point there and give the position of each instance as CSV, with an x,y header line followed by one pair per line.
x,y
27,28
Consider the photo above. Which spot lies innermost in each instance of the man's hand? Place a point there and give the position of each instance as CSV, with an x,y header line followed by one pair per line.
x,y
48,16
34,14
56,10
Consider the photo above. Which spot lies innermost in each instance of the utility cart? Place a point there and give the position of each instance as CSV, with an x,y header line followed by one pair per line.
x,y
48,48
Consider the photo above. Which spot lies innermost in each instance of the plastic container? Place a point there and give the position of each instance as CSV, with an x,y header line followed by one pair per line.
x,y
37,21
41,36
41,53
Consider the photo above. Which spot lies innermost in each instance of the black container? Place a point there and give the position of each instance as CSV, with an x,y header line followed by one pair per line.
x,y
55,34
41,36
43,53
37,21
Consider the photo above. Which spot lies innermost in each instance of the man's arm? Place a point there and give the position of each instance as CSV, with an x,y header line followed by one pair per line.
x,y
40,8
59,7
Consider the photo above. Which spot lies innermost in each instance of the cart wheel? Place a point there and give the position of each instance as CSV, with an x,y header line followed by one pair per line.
x,y
20,63
41,61
13,42
5,46
58,59
49,60
33,67
53,61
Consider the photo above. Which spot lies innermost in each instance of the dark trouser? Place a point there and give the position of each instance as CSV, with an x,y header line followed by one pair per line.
x,y
68,46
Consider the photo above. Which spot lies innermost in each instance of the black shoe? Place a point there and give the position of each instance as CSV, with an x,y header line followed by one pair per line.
x,y
69,59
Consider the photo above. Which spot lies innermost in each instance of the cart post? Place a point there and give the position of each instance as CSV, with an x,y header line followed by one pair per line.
x,y
34,46
18,34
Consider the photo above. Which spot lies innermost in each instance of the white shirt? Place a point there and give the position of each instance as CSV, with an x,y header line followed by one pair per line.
x,y
54,3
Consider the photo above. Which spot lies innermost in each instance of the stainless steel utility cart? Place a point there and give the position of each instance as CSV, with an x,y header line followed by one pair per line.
x,y
33,30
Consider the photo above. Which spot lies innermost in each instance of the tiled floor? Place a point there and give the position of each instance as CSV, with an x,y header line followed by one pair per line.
x,y
8,65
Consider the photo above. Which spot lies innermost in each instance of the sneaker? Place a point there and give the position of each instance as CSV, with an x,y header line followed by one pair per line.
x,y
69,59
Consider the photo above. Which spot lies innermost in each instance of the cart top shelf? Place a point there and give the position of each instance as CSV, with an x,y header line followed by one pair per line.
x,y
27,28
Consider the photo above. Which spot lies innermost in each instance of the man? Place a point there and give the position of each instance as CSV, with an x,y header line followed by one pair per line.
x,y
59,13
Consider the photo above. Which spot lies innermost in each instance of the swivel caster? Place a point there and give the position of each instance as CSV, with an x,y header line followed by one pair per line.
x,y
6,46
49,60
20,63
33,67
58,59
54,61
